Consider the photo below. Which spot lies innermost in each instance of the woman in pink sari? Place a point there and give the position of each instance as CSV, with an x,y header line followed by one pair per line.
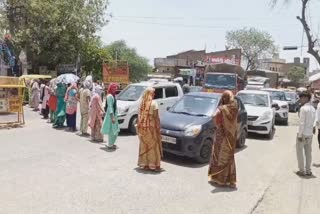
x,y
71,109
95,122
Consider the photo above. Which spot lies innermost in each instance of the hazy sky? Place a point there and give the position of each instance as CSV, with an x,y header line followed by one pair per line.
x,y
157,28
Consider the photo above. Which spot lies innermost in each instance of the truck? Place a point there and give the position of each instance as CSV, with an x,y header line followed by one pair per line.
x,y
221,77
271,75
257,83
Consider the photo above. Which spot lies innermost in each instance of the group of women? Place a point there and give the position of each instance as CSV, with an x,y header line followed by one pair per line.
x,y
62,104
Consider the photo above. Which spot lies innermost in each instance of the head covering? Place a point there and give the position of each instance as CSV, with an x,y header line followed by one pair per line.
x,y
227,97
113,87
145,106
305,94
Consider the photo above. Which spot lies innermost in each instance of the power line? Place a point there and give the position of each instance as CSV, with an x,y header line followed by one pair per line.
x,y
182,25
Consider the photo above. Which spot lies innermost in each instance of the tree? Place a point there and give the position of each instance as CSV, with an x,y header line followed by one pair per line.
x,y
296,74
53,31
253,43
138,65
313,40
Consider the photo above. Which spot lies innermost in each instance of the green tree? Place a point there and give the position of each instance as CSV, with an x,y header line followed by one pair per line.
x,y
296,74
138,65
93,55
253,43
53,31
312,37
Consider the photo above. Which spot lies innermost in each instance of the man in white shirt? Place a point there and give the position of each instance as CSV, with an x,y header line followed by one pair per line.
x,y
305,134
317,121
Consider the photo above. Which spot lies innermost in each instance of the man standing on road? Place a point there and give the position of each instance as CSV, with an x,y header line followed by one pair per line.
x,y
317,121
305,134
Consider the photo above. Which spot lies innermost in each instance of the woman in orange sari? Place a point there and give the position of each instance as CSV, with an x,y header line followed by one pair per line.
x,y
150,150
222,168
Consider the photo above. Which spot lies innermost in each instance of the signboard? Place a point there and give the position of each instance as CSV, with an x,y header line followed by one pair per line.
x,y
3,105
188,72
66,69
232,57
14,105
115,72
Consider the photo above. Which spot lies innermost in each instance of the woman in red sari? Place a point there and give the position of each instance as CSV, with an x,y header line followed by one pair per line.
x,y
222,168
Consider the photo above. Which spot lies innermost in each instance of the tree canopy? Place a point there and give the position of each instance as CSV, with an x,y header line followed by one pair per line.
x,y
138,66
296,74
54,31
253,43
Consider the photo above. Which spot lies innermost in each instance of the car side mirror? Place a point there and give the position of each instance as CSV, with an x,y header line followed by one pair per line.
x,y
289,99
275,105
168,108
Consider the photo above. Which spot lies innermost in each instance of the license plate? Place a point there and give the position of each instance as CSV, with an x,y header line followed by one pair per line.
x,y
169,139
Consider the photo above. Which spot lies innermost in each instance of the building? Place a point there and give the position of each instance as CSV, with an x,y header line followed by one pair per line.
x,y
305,64
273,64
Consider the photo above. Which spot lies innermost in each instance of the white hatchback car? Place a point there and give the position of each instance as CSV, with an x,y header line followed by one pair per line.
x,y
128,100
282,106
261,114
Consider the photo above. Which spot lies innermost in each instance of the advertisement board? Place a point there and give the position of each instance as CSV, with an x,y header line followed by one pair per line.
x,y
115,72
232,57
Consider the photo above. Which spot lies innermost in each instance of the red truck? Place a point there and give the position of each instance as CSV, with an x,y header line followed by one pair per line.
x,y
221,77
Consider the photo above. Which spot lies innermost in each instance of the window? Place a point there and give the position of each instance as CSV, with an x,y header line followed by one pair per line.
x,y
158,93
171,92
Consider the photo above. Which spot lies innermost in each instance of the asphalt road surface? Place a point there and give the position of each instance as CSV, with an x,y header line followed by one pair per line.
x,y
43,170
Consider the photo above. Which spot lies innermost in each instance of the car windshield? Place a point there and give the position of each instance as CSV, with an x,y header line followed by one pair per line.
x,y
131,93
196,105
292,96
254,99
220,81
278,95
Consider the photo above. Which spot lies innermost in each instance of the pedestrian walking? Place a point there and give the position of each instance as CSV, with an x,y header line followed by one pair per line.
x,y
222,167
71,107
60,114
110,125
317,120
35,93
52,103
96,111
85,98
148,128
45,99
306,130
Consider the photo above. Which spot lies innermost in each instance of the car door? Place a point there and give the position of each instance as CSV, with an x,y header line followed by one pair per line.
x,y
171,96
159,98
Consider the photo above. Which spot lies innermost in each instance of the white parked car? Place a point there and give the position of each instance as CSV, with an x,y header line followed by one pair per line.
x,y
128,101
261,114
282,109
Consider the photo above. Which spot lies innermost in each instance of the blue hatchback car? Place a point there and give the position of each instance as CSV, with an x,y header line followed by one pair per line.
x,y
187,128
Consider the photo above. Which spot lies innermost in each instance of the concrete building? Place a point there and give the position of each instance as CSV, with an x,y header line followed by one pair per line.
x,y
273,64
305,64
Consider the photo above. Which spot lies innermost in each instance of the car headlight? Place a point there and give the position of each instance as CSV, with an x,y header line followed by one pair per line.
x,y
193,131
266,116
123,111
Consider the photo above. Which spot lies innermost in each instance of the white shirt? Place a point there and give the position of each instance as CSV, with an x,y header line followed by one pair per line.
x,y
317,120
307,120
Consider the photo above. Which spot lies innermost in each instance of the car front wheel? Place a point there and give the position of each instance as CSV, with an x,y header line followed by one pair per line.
x,y
242,139
205,152
132,125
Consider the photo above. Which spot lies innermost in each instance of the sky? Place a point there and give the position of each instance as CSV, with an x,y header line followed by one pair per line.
x,y
158,28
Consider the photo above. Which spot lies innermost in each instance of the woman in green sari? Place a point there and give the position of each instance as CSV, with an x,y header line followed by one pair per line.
x,y
60,114
110,125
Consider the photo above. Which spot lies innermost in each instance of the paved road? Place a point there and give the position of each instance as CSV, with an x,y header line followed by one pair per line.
x,y
43,170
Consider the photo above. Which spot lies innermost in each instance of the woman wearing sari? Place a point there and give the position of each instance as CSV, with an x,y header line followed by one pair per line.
x,y
35,95
95,123
148,128
71,107
60,114
110,125
52,103
222,168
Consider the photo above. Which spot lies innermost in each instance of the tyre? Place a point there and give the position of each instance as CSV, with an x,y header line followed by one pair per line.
x,y
271,133
286,122
132,125
241,142
205,152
